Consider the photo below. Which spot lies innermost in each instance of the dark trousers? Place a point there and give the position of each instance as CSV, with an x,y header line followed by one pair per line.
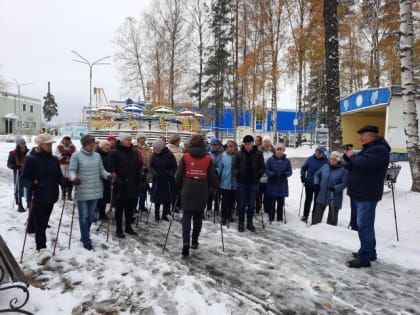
x,y
166,210
260,197
143,195
126,207
319,212
353,215
247,194
310,195
41,215
228,204
212,196
197,218
270,203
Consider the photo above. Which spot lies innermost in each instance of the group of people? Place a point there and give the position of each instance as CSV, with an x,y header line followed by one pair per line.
x,y
200,175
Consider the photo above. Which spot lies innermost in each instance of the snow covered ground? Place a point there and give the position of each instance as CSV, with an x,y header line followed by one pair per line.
x,y
282,269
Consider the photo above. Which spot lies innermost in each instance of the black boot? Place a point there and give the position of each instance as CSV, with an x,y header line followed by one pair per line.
x,y
241,226
185,250
129,230
157,215
249,225
21,208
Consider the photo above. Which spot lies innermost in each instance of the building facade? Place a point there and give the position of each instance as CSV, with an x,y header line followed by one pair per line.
x,y
19,114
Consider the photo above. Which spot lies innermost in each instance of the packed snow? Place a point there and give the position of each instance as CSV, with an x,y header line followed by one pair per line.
x,y
282,269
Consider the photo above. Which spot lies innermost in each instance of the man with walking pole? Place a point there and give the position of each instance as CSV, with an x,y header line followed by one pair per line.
x,y
196,174
366,175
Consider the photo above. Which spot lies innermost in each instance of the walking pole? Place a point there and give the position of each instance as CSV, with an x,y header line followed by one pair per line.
x,y
221,233
109,215
261,211
332,206
170,223
395,212
72,215
27,224
59,225
284,212
300,203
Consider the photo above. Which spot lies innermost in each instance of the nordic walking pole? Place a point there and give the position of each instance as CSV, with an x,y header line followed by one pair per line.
x,y
109,215
221,233
170,223
395,212
72,214
301,196
59,225
27,224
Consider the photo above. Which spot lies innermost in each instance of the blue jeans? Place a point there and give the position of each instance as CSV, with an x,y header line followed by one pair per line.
x,y
366,224
246,194
86,216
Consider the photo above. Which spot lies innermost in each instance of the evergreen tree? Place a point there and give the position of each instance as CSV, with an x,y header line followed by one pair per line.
x,y
218,69
50,106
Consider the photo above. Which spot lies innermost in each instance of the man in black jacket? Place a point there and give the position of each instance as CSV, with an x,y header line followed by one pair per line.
x,y
365,186
248,166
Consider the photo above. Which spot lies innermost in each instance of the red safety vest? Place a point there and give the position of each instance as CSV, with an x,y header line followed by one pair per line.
x,y
196,168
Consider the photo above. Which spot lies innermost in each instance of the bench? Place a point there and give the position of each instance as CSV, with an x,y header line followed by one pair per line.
x,y
12,278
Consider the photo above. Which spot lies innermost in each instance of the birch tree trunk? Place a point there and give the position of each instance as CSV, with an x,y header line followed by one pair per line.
x,y
411,127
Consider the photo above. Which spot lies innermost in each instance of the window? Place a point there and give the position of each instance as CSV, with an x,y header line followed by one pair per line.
x,y
31,108
23,107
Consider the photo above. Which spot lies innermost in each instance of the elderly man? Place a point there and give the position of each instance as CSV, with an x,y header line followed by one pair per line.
x,y
365,186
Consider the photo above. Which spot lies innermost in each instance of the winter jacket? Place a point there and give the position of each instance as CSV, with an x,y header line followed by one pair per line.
x,y
14,163
125,163
43,167
176,151
331,176
225,171
64,153
248,166
106,182
146,152
88,166
277,170
267,153
163,167
194,191
216,155
310,167
367,171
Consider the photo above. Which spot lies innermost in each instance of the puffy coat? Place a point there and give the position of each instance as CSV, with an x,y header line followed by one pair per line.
x,y
13,162
88,166
194,191
248,166
277,170
107,183
146,152
163,167
331,176
44,167
267,153
367,171
125,163
225,171
176,151
310,167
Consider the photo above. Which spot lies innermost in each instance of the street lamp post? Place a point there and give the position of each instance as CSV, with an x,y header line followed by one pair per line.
x,y
90,64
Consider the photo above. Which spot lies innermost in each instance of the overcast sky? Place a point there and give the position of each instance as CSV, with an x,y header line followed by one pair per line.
x,y
38,35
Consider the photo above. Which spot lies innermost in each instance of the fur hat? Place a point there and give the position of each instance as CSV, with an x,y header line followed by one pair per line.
x,y
86,140
336,155
103,143
158,144
141,135
44,138
124,136
19,140
266,138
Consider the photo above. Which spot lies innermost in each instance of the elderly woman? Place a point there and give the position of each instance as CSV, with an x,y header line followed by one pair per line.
x,y
103,150
86,170
330,181
278,168
267,150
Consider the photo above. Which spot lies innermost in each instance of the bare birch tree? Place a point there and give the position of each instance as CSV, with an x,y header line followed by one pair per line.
x,y
411,126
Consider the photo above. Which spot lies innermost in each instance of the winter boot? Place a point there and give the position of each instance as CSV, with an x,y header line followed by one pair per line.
x,y
157,215
185,250
129,230
20,206
241,226
249,225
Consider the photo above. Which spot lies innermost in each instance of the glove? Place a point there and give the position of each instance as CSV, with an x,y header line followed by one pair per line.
x,y
35,184
316,188
303,179
332,189
76,181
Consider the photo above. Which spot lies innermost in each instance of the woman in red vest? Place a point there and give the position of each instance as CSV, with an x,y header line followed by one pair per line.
x,y
196,172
